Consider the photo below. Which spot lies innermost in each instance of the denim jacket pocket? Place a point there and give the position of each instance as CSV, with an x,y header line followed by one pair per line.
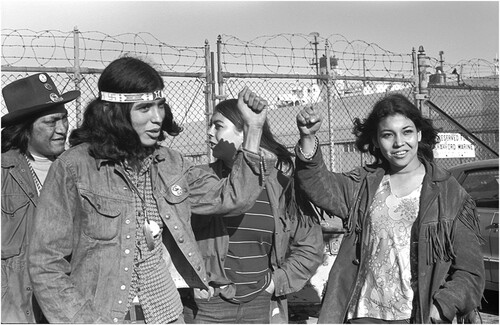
x,y
14,217
100,217
14,205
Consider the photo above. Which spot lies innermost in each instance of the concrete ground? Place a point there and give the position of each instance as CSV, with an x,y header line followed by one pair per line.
x,y
308,314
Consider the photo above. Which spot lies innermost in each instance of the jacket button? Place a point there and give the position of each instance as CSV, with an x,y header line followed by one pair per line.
x,y
181,240
167,217
123,287
120,302
198,268
28,288
355,262
127,221
190,254
175,227
115,320
127,251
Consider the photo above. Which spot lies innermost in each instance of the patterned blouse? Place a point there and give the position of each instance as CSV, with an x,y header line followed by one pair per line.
x,y
386,283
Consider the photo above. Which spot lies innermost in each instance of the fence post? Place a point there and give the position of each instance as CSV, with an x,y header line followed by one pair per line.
x,y
423,90
330,108
208,93
220,79
415,75
214,93
77,74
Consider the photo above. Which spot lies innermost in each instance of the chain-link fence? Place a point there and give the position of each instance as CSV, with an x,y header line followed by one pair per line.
x,y
75,60
471,113
346,78
342,78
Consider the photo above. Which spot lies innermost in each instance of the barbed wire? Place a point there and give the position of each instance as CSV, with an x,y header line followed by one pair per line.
x,y
275,54
306,54
473,72
95,49
303,54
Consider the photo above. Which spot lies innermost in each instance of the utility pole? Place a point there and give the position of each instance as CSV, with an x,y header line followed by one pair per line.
x,y
315,62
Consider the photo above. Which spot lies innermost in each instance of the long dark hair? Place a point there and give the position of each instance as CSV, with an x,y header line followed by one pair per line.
x,y
107,126
366,130
17,136
295,201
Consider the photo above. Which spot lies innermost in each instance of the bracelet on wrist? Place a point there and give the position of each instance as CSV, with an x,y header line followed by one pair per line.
x,y
310,155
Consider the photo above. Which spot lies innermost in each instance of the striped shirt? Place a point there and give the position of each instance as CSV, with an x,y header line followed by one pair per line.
x,y
250,241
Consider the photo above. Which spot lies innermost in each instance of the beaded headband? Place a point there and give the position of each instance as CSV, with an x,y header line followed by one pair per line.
x,y
131,97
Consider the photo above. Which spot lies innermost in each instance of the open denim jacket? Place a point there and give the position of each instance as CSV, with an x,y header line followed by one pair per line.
x,y
19,200
82,251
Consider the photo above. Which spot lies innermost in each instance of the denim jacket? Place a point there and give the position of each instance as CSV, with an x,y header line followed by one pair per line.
x,y
296,253
19,199
82,252
450,264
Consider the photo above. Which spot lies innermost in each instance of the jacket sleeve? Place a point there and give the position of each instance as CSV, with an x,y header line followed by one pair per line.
x,y
329,191
52,241
234,194
463,290
303,259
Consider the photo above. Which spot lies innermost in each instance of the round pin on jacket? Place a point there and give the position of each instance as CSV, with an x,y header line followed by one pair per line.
x,y
177,190
42,77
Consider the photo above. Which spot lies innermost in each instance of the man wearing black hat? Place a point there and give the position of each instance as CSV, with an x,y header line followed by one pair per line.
x,y
33,134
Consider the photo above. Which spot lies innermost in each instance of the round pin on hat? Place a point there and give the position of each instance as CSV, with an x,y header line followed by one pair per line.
x,y
33,96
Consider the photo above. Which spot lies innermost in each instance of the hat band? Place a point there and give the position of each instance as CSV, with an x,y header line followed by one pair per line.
x,y
131,97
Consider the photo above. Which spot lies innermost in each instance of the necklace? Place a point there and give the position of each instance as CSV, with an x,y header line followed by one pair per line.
x,y
150,228
38,184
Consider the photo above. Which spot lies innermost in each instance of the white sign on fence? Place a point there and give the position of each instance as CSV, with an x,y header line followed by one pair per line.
x,y
453,145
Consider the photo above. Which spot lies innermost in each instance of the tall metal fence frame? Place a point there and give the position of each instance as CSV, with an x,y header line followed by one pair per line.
x,y
215,80
420,94
79,74
326,79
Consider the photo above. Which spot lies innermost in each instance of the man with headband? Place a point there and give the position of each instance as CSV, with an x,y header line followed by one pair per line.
x,y
124,206
33,135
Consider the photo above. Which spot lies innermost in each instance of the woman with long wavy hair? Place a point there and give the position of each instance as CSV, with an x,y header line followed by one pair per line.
x,y
411,252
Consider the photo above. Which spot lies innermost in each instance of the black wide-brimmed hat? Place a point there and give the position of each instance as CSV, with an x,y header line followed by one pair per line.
x,y
32,96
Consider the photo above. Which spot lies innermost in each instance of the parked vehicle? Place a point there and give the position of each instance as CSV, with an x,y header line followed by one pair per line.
x,y
480,180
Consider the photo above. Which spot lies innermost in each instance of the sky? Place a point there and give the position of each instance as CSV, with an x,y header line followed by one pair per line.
x,y
462,29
